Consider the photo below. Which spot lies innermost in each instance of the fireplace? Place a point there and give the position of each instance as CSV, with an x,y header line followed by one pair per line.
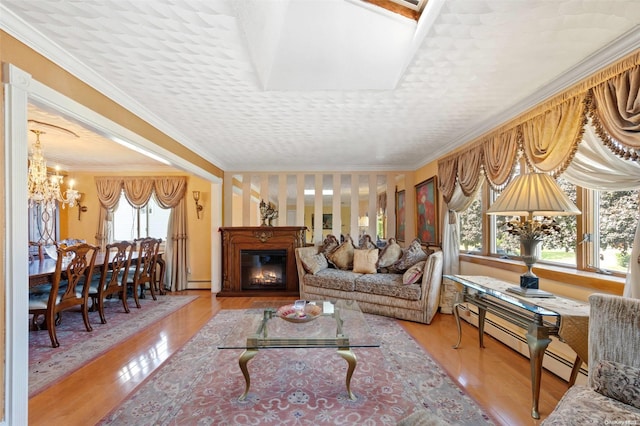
x,y
263,269
260,260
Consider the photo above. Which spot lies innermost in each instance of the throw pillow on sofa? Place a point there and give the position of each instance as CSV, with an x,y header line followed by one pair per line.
x,y
413,254
329,244
389,254
618,381
414,273
342,257
314,264
365,242
364,261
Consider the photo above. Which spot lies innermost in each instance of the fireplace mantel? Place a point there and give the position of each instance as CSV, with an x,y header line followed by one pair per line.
x,y
238,238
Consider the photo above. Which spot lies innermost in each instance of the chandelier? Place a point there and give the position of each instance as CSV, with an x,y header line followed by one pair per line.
x,y
44,189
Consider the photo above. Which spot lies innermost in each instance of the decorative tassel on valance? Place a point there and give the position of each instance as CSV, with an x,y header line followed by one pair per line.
x,y
548,135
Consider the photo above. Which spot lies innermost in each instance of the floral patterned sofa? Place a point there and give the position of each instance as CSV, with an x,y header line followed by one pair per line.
x,y
612,395
390,294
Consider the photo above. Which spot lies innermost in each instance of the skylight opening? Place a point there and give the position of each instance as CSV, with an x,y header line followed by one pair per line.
x,y
407,8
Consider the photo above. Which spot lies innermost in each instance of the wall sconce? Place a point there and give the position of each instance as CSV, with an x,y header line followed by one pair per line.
x,y
81,208
196,197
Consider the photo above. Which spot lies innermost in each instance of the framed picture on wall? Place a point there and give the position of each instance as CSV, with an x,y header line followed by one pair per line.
x,y
400,215
327,221
427,211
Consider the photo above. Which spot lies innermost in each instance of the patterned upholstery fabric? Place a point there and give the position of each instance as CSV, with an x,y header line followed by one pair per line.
x,y
581,405
387,285
613,337
329,244
316,263
365,242
342,257
389,254
412,255
380,294
618,381
332,278
414,273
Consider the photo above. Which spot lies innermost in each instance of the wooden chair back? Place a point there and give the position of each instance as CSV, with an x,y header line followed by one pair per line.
x,y
69,287
113,275
145,267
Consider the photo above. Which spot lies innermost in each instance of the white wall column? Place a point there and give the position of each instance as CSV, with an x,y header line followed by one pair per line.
x,y
216,237
300,199
317,210
246,199
337,206
372,211
16,346
282,199
390,231
354,231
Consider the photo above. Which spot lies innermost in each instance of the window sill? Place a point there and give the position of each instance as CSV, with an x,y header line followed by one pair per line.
x,y
591,280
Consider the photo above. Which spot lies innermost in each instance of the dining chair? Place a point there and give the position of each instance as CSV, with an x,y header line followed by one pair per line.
x,y
144,272
35,249
69,288
113,277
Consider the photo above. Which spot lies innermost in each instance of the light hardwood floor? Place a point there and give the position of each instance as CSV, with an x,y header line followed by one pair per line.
x,y
496,377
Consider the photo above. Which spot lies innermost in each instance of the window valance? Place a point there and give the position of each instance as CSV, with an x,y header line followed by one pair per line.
x,y
168,190
548,135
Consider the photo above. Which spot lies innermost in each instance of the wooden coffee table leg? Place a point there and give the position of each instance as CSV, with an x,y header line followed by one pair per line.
x,y
350,357
244,359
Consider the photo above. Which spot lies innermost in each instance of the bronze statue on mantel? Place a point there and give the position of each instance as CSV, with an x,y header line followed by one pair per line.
x,y
267,213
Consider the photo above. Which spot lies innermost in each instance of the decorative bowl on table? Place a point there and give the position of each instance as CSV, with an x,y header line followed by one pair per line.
x,y
293,314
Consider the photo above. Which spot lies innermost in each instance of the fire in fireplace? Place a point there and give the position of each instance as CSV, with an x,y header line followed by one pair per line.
x,y
263,269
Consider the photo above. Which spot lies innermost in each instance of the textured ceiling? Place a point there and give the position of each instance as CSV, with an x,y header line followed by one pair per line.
x,y
320,84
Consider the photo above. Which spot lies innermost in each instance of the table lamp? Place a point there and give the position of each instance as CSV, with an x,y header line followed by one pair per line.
x,y
530,195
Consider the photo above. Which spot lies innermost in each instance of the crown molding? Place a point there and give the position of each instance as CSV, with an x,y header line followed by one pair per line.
x,y
614,51
33,38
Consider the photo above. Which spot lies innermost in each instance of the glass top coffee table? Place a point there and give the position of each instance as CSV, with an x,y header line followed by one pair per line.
x,y
336,324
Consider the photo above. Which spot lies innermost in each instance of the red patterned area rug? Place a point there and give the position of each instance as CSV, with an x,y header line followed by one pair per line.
x,y
200,385
48,365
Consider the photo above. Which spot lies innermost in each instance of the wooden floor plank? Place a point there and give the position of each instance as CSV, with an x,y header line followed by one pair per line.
x,y
496,377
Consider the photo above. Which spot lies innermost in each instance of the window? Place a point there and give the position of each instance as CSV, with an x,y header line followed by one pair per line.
x,y
609,221
43,224
130,223
470,224
614,224
560,247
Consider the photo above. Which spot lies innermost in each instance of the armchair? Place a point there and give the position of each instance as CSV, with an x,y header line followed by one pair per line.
x,y
612,395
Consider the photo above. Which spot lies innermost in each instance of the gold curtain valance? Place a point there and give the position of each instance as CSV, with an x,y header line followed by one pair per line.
x,y
548,135
168,190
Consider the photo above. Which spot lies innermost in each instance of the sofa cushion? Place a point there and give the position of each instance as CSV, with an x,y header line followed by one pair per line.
x,y
364,261
581,405
332,278
387,285
413,254
342,257
389,254
314,263
617,381
414,273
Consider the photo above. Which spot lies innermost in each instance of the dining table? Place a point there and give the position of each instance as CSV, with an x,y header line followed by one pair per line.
x,y
41,270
